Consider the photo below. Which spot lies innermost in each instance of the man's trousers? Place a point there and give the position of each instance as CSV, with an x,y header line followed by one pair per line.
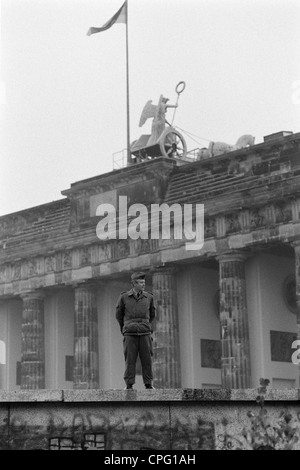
x,y
134,345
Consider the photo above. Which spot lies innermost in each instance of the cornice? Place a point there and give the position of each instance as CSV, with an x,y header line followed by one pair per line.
x,y
122,177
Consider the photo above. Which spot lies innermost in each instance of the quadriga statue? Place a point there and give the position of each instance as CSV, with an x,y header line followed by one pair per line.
x,y
219,148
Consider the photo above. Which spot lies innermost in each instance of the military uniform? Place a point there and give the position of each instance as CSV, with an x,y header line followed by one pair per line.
x,y
135,314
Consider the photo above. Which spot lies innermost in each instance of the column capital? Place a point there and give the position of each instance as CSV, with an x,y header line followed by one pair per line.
x,y
169,269
89,285
240,256
31,295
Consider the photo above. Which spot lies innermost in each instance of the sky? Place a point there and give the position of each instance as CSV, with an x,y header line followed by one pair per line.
x,y
63,93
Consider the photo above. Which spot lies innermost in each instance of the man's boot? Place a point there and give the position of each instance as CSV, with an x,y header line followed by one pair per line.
x,y
149,386
129,387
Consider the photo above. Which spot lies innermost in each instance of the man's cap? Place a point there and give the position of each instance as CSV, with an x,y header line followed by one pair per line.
x,y
136,276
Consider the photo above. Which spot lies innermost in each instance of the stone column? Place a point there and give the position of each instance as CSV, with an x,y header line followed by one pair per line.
x,y
2,358
296,246
33,342
297,276
236,370
166,352
86,370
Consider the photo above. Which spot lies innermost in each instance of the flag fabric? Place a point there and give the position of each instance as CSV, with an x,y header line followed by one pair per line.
x,y
119,17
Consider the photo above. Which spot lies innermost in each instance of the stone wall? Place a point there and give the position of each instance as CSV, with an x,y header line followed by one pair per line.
x,y
179,419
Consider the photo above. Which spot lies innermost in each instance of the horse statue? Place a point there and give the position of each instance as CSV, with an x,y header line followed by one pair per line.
x,y
219,148
203,154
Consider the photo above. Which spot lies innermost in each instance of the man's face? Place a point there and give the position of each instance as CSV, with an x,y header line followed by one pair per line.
x,y
139,285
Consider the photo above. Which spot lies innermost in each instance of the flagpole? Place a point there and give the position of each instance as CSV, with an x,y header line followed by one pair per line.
x,y
127,90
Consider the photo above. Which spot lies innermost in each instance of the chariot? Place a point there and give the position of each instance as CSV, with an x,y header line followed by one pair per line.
x,y
164,140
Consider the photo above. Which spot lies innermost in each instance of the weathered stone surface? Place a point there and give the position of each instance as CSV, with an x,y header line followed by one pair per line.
x,y
194,394
100,395
244,394
166,353
82,426
297,276
155,420
248,200
278,395
33,342
192,427
4,427
86,374
30,396
106,266
255,204
236,371
163,395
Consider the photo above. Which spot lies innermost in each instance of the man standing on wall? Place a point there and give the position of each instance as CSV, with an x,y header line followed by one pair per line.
x,y
135,312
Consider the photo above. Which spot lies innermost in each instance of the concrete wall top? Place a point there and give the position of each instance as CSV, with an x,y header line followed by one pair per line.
x,y
162,395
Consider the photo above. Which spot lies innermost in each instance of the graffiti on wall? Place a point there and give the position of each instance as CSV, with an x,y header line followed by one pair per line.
x,y
80,427
100,431
94,441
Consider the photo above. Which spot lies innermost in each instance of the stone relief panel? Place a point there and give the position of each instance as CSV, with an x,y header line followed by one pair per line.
x,y
121,249
168,240
140,246
50,264
2,273
143,246
268,215
210,228
67,260
85,257
257,218
283,213
32,267
104,252
16,271
232,223
24,269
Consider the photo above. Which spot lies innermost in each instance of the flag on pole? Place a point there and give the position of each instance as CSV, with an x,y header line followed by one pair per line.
x,y
119,17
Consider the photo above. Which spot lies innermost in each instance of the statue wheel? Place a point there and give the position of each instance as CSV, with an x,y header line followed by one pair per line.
x,y
172,144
